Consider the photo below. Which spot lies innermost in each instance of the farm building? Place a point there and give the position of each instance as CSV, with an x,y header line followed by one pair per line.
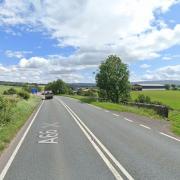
x,y
152,86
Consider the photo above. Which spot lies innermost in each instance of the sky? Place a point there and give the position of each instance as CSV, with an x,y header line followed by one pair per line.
x,y
45,40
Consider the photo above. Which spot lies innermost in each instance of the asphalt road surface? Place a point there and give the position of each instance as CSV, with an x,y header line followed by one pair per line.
x,y
70,140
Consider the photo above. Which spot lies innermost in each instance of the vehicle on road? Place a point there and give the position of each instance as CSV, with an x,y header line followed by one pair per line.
x,y
48,95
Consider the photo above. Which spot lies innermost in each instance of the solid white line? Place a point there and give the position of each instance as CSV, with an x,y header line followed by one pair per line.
x,y
145,126
7,166
116,115
122,169
128,120
170,136
94,106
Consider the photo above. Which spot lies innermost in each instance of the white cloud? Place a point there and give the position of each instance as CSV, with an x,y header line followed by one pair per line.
x,y
2,69
145,66
16,54
164,73
97,28
34,62
82,24
167,58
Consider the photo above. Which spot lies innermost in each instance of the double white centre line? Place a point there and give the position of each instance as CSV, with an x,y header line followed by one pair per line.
x,y
96,143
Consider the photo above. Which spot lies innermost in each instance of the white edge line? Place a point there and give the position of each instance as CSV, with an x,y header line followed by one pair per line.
x,y
169,136
123,170
116,115
7,166
128,120
142,125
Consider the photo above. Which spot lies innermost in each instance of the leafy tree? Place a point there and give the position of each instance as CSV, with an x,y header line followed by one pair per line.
x,y
58,87
113,79
173,86
167,86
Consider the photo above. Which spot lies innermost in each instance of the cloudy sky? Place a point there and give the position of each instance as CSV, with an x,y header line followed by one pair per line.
x,y
42,40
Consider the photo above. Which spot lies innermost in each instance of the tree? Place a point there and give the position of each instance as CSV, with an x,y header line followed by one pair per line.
x,y
58,87
173,86
167,86
113,79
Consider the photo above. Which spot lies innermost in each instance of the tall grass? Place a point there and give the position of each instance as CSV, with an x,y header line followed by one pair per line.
x,y
21,112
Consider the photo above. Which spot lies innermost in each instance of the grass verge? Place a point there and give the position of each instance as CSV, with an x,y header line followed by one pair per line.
x,y
117,107
174,116
21,113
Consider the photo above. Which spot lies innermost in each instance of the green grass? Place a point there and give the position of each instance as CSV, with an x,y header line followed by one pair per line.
x,y
21,113
170,98
174,116
3,88
117,107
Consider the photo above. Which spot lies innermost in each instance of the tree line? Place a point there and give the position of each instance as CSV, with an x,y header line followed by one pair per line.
x,y
112,81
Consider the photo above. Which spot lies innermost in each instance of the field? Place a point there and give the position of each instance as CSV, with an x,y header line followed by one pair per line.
x,y
170,98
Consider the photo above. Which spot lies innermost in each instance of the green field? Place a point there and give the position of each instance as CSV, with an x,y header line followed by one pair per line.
x,y
170,98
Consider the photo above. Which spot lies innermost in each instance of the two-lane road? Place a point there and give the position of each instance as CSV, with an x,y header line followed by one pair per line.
x,y
70,140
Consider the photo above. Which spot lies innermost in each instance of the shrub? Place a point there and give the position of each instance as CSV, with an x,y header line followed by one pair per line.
x,y
6,108
143,99
10,91
24,94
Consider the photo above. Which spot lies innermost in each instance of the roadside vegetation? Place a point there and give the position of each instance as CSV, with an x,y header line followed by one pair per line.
x,y
16,105
116,107
114,92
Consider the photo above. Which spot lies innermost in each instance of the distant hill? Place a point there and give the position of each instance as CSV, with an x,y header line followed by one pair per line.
x,y
9,83
81,85
158,82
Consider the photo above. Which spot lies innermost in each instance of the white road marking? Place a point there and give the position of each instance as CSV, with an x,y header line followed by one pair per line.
x,y
145,126
170,136
48,137
128,120
94,106
86,130
116,115
106,111
4,171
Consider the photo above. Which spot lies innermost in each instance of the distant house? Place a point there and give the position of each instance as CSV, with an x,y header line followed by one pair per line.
x,y
152,86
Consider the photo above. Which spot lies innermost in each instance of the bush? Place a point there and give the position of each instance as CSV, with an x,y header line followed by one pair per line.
x,y
143,99
10,91
6,108
24,94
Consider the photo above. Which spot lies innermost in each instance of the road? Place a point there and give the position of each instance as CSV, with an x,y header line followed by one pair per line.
x,y
70,140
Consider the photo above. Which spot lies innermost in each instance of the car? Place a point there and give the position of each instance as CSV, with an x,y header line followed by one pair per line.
x,y
48,95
